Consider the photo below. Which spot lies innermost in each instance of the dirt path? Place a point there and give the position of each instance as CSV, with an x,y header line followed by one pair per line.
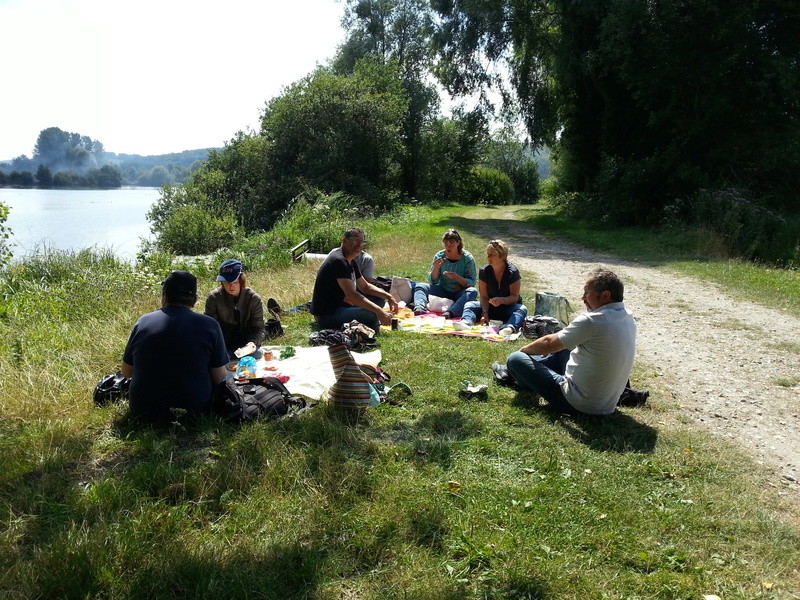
x,y
720,357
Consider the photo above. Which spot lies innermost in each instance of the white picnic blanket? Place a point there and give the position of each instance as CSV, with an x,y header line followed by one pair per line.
x,y
309,370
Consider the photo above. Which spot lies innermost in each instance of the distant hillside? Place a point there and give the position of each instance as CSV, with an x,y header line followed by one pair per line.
x,y
183,159
65,159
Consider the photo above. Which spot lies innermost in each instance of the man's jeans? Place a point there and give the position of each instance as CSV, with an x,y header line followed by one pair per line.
x,y
459,298
509,314
345,314
542,375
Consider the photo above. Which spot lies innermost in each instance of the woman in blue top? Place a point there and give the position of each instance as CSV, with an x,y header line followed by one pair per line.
x,y
499,287
452,275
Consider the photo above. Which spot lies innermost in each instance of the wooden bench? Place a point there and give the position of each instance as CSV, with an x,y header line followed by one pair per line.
x,y
299,251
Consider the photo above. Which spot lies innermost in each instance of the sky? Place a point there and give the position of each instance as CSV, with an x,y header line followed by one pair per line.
x,y
153,76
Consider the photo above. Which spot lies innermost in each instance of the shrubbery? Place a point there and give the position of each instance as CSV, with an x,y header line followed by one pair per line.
x,y
191,229
746,229
488,186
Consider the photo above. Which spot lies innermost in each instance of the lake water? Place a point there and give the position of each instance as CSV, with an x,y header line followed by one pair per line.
x,y
77,219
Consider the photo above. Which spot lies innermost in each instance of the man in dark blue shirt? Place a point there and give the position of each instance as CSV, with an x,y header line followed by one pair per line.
x,y
174,355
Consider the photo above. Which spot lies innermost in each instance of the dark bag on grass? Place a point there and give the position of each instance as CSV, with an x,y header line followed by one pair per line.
x,y
111,388
330,337
265,397
273,329
537,326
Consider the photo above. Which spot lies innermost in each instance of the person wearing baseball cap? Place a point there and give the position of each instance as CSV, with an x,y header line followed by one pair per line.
x,y
238,310
174,355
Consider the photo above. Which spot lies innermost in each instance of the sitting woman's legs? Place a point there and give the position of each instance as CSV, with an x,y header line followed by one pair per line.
x,y
512,315
421,292
460,299
471,313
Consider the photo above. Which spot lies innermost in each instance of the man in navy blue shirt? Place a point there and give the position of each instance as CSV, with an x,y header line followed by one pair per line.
x,y
174,355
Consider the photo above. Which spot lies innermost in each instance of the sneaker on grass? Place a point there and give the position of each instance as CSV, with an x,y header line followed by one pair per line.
x,y
462,325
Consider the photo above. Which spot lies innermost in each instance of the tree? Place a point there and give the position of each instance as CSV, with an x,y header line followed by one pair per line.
x,y
20,178
505,152
108,177
396,32
44,176
338,133
649,101
450,148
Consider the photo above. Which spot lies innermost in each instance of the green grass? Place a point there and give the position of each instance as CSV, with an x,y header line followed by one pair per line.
x,y
692,252
441,498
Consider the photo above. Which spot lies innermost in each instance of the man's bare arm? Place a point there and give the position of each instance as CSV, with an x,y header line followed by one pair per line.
x,y
352,296
544,345
217,374
126,369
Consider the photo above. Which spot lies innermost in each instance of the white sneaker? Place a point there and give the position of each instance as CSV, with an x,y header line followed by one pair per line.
x,y
461,325
507,331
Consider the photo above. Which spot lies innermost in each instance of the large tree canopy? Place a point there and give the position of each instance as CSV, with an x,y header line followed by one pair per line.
x,y
648,100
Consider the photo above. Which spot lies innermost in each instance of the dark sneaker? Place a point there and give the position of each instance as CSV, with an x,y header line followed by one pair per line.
x,y
274,308
631,397
447,315
501,375
419,310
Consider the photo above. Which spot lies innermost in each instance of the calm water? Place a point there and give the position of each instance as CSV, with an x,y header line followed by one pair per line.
x,y
76,219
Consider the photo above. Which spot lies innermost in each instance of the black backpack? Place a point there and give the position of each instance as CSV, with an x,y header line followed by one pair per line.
x,y
257,398
111,388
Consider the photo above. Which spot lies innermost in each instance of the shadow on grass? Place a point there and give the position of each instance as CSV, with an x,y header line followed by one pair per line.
x,y
78,509
617,432
432,436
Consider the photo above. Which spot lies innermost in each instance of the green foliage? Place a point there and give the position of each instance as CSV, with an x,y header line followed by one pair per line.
x,y
488,186
505,152
204,189
193,229
20,179
450,148
44,177
746,229
5,233
338,133
60,149
650,100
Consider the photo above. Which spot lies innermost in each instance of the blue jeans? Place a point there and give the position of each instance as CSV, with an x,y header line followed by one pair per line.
x,y
459,297
510,314
542,375
345,314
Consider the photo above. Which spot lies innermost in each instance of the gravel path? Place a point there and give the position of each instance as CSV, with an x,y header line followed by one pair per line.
x,y
720,357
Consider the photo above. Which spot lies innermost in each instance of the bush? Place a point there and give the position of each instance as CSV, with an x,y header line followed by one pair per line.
x,y
747,230
488,186
192,230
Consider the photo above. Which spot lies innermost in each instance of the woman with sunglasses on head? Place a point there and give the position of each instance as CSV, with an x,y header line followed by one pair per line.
x,y
238,310
452,275
499,285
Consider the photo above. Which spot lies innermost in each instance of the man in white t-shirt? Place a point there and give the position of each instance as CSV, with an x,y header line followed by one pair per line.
x,y
583,368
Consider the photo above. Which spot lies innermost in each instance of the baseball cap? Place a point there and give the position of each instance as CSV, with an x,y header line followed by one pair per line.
x,y
230,270
181,283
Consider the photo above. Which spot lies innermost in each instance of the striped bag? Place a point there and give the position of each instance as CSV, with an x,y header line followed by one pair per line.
x,y
351,391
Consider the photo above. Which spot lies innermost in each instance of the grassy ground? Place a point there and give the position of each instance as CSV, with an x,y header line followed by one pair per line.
x,y
441,498
693,252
